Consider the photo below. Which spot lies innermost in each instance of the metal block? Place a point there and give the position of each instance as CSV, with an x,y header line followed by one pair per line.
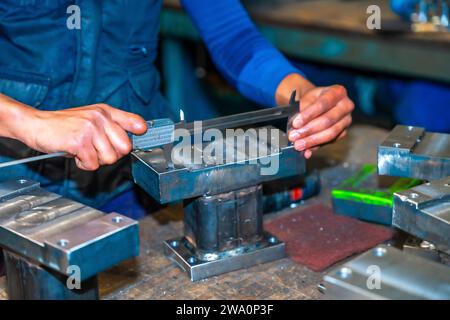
x,y
169,177
57,233
387,273
183,254
411,152
424,211
28,281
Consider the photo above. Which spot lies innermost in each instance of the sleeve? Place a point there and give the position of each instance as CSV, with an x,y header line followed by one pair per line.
x,y
245,58
404,8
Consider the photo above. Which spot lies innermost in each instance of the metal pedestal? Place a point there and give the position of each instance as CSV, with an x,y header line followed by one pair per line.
x,y
223,233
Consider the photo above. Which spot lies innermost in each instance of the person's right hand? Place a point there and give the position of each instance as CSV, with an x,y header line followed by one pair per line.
x,y
94,135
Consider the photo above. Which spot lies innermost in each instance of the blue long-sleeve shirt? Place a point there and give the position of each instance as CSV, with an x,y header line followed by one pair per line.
x,y
240,52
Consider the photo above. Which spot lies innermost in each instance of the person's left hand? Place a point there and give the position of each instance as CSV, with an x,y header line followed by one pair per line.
x,y
325,114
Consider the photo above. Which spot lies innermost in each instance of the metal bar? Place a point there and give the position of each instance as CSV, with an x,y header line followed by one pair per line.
x,y
32,159
244,119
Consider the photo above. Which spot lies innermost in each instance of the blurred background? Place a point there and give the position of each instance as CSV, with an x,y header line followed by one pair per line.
x,y
397,74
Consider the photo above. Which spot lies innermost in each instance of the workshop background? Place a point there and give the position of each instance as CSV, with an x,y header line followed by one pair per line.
x,y
394,76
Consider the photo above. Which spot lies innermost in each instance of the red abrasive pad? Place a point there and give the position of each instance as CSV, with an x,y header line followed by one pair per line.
x,y
317,238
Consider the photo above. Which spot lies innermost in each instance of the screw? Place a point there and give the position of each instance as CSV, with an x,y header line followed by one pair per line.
x,y
117,219
63,242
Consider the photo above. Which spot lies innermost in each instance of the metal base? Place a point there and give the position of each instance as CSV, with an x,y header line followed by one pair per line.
x,y
180,251
29,281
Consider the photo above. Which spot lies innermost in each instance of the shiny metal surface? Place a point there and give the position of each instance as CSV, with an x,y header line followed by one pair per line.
x,y
57,233
387,273
411,152
424,211
183,254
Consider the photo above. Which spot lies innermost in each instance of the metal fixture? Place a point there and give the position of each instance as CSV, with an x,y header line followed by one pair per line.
x,y
387,273
424,211
222,199
413,153
45,236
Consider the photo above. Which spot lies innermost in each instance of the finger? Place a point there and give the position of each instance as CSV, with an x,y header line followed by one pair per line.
x,y
325,121
323,136
105,151
128,121
306,101
342,135
86,158
326,101
308,154
118,138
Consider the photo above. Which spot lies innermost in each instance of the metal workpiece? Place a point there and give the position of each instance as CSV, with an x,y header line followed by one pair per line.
x,y
56,233
242,159
424,211
186,179
387,273
413,153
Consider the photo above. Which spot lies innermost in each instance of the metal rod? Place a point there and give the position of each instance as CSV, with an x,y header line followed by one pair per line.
x,y
32,159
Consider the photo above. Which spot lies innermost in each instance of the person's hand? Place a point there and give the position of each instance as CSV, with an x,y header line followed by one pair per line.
x,y
325,114
94,135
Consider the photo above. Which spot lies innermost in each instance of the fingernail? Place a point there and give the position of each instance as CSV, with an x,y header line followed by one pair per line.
x,y
294,135
300,145
298,121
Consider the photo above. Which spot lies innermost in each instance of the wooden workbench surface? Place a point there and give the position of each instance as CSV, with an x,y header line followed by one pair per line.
x,y
152,276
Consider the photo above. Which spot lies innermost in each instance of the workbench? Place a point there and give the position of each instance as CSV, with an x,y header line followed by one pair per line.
x,y
153,276
332,32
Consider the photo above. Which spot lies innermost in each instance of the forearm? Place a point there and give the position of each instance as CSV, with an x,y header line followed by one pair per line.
x,y
13,118
241,53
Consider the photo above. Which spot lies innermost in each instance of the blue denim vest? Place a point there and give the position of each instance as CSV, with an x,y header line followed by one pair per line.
x,y
49,66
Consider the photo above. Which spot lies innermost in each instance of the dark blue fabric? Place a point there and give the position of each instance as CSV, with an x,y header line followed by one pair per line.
x,y
110,60
239,51
404,8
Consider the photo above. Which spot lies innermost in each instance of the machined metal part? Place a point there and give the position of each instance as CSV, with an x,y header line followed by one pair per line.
x,y
219,178
56,233
424,211
411,152
387,273
183,254
215,174
223,233
28,281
